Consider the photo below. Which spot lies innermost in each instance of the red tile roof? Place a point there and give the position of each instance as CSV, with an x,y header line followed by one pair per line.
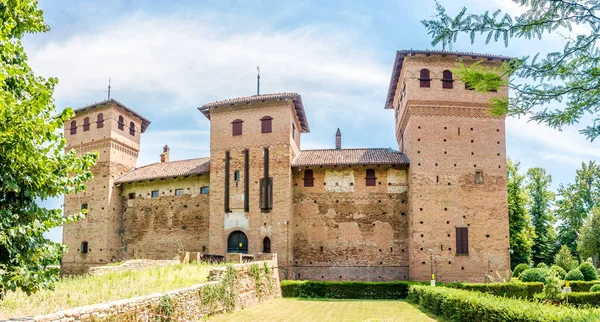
x,y
403,53
295,97
145,121
349,157
167,170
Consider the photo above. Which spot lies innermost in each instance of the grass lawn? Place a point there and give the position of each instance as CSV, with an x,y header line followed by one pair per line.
x,y
85,290
288,309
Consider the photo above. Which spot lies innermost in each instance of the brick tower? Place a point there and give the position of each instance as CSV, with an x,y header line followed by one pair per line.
x,y
458,224
253,141
113,130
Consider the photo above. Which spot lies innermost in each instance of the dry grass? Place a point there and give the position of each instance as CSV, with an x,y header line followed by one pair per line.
x,y
85,290
288,309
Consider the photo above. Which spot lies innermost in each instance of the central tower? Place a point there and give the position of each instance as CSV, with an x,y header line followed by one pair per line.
x,y
457,176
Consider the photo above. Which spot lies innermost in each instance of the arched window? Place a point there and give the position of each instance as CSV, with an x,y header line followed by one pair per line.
x,y
86,124
121,123
266,245
237,243
309,180
100,120
236,127
132,128
84,247
265,124
371,179
447,79
424,78
73,127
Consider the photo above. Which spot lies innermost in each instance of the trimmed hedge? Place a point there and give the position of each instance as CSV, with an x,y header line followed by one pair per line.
x,y
517,290
461,305
589,271
581,286
595,288
535,275
584,298
346,290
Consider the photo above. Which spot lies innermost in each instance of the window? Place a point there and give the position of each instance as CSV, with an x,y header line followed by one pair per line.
x,y
447,79
293,131
462,241
236,175
236,127
478,176
179,192
84,247
424,79
132,195
266,245
204,190
265,124
371,179
154,193
132,129
100,120
121,123
309,180
84,206
86,124
73,127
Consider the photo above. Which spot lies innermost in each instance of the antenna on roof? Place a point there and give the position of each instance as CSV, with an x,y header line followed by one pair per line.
x,y
109,88
258,80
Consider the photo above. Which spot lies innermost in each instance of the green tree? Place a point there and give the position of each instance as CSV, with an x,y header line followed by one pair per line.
x,y
564,259
521,230
588,241
540,203
569,76
575,203
33,165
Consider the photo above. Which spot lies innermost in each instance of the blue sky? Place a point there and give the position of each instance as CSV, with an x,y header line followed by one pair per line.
x,y
166,58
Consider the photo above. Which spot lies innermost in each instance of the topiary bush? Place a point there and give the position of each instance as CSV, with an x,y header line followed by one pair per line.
x,y
535,275
589,271
595,288
520,269
542,265
559,270
553,287
574,275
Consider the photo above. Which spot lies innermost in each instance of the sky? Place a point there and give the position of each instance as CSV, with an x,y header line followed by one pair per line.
x,y
166,58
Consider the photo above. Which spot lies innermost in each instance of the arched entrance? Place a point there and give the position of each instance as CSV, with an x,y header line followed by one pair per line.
x,y
237,243
266,245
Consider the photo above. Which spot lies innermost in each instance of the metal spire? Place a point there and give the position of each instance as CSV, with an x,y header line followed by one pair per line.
x,y
258,81
109,88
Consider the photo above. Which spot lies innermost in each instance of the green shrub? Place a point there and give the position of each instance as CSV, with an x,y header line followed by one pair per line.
x,y
564,259
559,270
345,290
534,275
513,289
581,286
520,269
542,265
461,305
595,288
589,271
553,286
584,298
574,275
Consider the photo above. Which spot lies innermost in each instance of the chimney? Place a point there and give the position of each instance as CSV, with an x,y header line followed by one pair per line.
x,y
338,139
164,156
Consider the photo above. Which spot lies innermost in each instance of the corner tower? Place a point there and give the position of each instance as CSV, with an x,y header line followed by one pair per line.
x,y
458,224
113,131
253,141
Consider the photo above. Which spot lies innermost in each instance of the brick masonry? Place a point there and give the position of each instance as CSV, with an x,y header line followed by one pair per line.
x,y
338,229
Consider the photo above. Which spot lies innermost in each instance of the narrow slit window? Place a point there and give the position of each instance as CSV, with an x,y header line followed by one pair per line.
x,y
236,175
371,180
84,247
447,81
86,124
424,79
132,129
236,127
309,180
266,124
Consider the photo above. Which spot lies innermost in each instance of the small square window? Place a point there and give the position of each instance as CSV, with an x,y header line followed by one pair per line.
x,y
179,192
204,190
236,175
132,195
478,176
154,193
84,206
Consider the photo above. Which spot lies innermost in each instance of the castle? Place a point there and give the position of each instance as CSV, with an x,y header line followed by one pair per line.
x,y
438,204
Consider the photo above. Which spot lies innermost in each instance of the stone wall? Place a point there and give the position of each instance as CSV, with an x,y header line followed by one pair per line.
x,y
189,304
345,230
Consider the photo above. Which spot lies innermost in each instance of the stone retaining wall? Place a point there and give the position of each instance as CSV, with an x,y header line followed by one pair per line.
x,y
254,283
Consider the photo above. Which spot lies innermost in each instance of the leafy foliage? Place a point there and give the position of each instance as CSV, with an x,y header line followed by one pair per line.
x,y
461,305
595,288
588,241
541,265
541,198
553,286
521,230
564,259
559,270
519,269
345,290
516,290
570,76
33,165
221,295
535,275
574,275
589,271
